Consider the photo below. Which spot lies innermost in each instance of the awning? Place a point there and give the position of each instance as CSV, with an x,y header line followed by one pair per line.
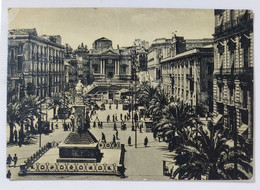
x,y
242,129
217,119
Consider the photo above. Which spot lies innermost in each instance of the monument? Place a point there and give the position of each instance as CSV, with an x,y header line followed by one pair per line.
x,y
80,145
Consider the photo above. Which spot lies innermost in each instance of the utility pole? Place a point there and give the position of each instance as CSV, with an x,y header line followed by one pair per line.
x,y
40,126
135,113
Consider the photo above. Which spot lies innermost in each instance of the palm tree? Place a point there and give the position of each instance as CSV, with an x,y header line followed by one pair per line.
x,y
207,154
176,119
30,107
145,94
54,101
157,105
13,115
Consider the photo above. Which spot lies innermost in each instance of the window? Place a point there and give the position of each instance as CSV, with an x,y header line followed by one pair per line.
x,y
96,68
231,95
246,57
244,101
124,69
220,93
20,63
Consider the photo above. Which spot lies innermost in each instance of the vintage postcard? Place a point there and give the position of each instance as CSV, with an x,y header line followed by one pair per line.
x,y
130,94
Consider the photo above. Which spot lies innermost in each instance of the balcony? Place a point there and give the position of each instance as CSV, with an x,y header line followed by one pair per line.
x,y
189,76
15,76
245,71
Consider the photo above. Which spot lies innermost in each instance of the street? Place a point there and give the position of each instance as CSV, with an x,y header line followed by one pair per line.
x,y
138,160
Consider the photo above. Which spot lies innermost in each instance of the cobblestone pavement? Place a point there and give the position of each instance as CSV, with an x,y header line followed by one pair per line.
x,y
142,163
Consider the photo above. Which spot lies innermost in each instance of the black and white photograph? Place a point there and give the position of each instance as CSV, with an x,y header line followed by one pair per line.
x,y
130,94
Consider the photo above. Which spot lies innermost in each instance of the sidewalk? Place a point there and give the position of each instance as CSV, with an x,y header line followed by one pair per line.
x,y
25,151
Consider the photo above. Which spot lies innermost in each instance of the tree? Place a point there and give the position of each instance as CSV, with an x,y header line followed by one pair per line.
x,y
157,105
13,115
145,94
207,153
54,101
177,117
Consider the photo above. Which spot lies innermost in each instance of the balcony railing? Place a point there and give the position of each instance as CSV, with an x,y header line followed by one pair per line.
x,y
15,76
234,71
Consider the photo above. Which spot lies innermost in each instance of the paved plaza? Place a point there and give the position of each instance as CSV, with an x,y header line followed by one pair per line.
x,y
142,163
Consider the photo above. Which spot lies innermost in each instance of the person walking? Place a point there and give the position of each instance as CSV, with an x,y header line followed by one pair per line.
x,y
121,116
114,140
9,160
108,118
94,124
8,175
52,126
15,159
129,141
103,138
15,136
117,135
146,141
115,127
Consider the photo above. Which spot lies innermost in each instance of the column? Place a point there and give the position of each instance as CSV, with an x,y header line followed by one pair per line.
x,y
118,67
104,67
115,67
101,66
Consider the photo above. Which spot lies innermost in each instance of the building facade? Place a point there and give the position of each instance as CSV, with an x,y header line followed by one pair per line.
x,y
160,48
35,64
188,77
233,70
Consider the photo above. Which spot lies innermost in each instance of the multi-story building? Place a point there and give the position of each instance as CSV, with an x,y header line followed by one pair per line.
x,y
35,64
233,70
108,69
160,48
188,77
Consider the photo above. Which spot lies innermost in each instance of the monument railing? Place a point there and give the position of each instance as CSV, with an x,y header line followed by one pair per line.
x,y
84,168
32,159
109,145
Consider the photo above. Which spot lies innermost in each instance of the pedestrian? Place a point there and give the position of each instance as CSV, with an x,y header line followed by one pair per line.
x,y
117,135
121,116
115,127
114,140
108,118
103,138
15,159
9,160
125,117
52,126
129,141
8,175
146,141
113,118
141,126
94,124
15,136
101,124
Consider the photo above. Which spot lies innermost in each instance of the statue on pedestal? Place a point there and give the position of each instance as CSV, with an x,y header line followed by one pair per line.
x,y
79,88
79,92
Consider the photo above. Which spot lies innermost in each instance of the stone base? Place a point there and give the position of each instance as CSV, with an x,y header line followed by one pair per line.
x,y
77,160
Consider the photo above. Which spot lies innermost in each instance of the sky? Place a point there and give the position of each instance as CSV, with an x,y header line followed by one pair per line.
x,y
121,25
